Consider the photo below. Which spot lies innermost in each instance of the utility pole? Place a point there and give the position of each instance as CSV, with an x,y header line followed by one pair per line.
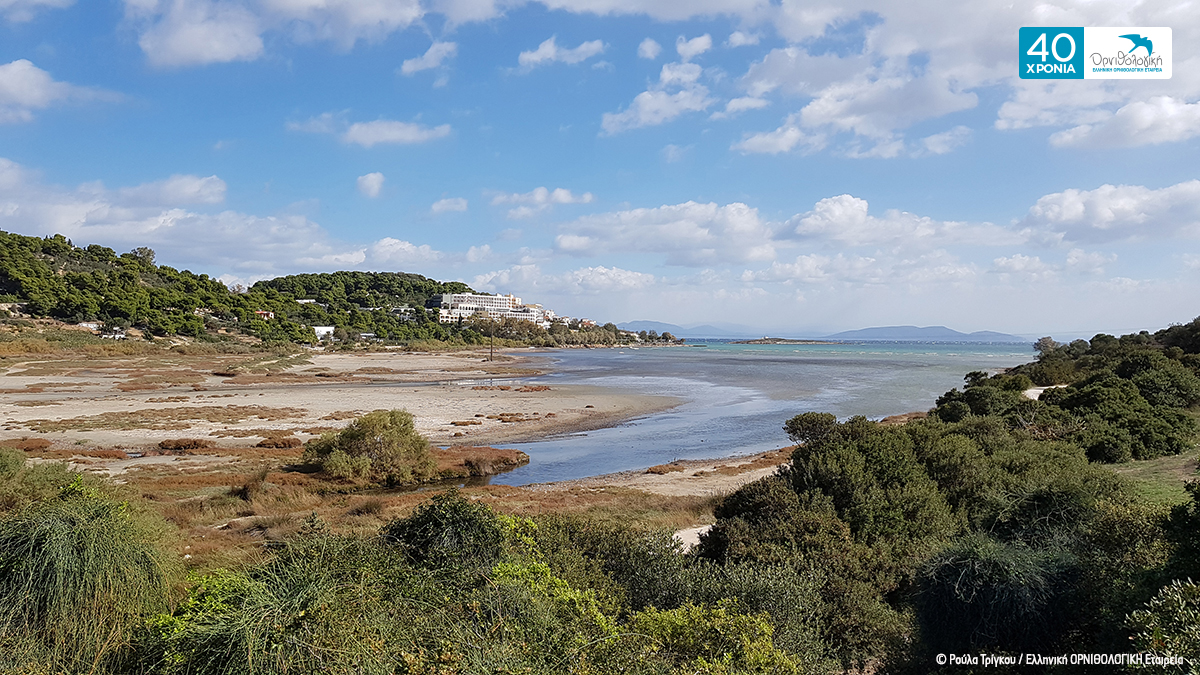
x,y
492,351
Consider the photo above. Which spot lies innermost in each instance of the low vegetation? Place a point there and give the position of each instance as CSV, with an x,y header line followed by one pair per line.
x,y
996,524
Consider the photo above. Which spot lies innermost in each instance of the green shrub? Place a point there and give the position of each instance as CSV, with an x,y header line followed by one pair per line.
x,y
1170,623
716,640
383,445
448,531
79,573
985,595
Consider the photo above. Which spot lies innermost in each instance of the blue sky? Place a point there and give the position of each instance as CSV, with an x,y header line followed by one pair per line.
x,y
798,167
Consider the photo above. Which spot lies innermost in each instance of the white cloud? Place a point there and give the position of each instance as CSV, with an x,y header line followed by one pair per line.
x,y
1162,119
176,190
845,219
539,199
786,138
433,57
369,134
655,107
1088,262
947,141
398,252
371,184
550,52
1118,212
245,246
583,281
674,153
933,268
1022,268
737,105
25,88
479,253
689,234
196,32
690,49
649,49
19,11
449,204
739,39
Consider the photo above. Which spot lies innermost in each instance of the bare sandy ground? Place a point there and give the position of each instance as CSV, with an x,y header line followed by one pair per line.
x,y
99,404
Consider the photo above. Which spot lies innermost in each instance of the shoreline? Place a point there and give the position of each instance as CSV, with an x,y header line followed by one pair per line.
x,y
88,407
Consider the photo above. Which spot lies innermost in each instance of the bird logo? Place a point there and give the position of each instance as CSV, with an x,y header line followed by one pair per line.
x,y
1139,41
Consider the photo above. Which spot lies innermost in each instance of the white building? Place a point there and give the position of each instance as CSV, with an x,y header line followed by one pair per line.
x,y
455,306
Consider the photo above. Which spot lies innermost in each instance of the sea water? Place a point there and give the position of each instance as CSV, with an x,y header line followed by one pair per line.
x,y
737,397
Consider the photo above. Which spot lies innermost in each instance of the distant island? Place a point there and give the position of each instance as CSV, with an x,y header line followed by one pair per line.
x,y
926,334
782,341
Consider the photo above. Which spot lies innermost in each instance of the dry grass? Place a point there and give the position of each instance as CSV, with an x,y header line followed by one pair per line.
x,y
26,443
661,469
165,419
467,460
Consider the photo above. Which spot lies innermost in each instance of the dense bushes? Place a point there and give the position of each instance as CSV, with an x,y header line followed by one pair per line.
x,y
382,446
79,573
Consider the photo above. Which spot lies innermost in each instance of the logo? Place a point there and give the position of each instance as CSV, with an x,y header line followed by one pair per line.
x,y
1078,53
1139,41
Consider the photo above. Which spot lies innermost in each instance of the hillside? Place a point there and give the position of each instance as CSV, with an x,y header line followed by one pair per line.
x,y
53,278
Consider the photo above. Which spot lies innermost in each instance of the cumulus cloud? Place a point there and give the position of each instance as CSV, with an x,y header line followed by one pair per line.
x,y
947,141
649,49
370,134
654,107
1162,119
936,267
25,88
789,136
739,39
550,52
1022,268
176,190
585,280
196,32
176,33
399,252
19,11
742,104
689,234
845,219
1118,212
433,57
371,184
449,204
539,199
156,214
690,49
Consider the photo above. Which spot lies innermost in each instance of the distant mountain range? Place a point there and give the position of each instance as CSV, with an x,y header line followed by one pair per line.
x,y
704,331
914,333
926,334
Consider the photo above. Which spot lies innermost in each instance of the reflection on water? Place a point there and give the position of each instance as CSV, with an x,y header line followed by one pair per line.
x,y
738,397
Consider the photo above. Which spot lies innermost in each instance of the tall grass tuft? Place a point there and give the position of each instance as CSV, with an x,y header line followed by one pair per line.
x,y
78,574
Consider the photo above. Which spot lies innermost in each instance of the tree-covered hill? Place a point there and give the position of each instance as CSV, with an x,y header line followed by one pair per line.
x,y
54,278
344,290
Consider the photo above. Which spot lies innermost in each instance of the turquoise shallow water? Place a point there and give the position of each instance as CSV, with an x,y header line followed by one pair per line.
x,y
738,396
